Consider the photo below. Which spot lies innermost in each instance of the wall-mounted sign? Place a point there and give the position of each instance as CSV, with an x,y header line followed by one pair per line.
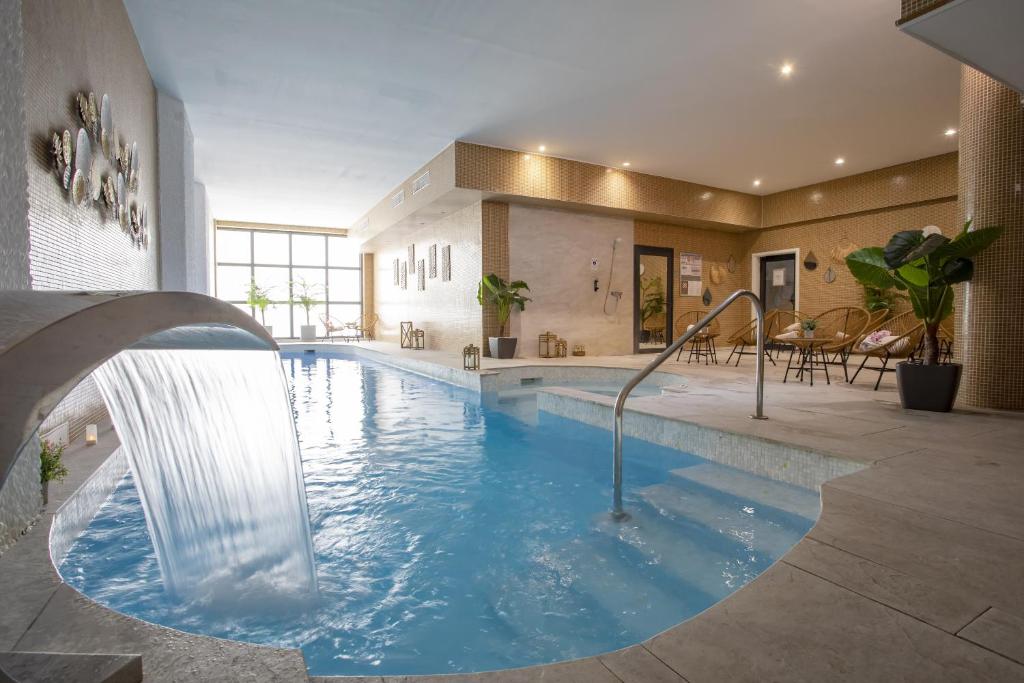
x,y
690,268
778,277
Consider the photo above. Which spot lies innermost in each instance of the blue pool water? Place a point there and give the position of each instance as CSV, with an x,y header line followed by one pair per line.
x,y
453,537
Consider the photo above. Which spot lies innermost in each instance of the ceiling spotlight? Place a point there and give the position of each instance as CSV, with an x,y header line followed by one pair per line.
x,y
786,69
706,196
950,132
526,156
626,164
757,182
542,148
840,161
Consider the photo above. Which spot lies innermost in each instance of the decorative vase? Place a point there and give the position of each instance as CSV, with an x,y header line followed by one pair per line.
x,y
502,347
308,333
808,334
928,387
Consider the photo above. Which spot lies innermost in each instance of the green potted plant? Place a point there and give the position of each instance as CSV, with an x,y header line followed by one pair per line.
x,y
926,265
809,326
305,294
51,466
259,298
880,299
504,295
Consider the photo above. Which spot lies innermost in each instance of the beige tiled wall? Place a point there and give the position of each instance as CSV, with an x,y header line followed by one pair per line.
x,y
551,250
507,172
494,258
447,311
990,324
913,8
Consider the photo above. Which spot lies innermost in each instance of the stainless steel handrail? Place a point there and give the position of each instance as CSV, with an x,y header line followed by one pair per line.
x,y
620,400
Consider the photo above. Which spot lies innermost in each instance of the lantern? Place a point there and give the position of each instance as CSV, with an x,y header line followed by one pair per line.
x,y
561,348
406,335
91,434
417,340
546,344
579,350
471,357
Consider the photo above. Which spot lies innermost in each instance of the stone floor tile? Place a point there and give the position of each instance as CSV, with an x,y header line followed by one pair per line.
x,y
789,625
949,610
578,671
946,554
999,632
637,665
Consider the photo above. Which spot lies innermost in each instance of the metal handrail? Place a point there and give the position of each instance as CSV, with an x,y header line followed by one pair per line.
x,y
620,400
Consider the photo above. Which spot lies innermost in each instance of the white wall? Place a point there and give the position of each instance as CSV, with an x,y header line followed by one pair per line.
x,y
183,214
14,269
552,250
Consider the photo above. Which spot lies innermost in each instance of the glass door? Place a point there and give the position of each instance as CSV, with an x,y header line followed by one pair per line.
x,y
652,298
778,282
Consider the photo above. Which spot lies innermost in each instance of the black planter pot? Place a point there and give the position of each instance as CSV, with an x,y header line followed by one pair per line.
x,y
928,387
502,347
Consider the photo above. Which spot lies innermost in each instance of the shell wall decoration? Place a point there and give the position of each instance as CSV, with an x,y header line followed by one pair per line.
x,y
95,169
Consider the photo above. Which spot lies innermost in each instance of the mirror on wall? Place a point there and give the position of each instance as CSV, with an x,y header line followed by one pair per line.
x,y
652,298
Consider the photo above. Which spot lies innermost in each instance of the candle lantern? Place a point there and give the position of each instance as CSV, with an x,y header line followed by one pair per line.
x,y
471,357
547,344
417,340
91,435
406,335
561,348
579,350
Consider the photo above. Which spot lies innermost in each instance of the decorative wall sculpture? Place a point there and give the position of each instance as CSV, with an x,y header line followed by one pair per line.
x,y
432,257
412,258
88,162
405,275
394,273
446,263
421,276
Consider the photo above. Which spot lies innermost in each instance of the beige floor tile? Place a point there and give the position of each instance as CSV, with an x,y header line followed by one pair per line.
x,y
637,665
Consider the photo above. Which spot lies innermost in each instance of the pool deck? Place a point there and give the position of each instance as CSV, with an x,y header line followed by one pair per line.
x,y
912,573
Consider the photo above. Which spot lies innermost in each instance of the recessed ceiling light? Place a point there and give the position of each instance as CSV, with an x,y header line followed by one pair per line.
x,y
786,69
526,156
950,132
706,196
840,161
542,148
757,182
625,163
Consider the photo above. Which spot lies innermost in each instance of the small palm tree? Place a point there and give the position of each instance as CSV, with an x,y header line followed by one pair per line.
x,y
307,295
504,295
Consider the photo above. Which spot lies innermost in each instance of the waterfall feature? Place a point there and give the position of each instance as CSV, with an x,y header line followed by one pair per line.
x,y
211,443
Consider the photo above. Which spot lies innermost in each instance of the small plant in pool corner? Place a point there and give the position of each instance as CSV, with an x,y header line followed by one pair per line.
x,y
259,298
504,295
809,326
926,265
305,294
51,466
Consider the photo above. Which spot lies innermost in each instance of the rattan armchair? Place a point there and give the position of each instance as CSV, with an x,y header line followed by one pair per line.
x,y
906,332
702,344
747,336
843,326
776,321
332,327
367,326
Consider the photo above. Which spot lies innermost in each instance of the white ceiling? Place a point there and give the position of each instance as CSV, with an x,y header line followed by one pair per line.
x,y
309,112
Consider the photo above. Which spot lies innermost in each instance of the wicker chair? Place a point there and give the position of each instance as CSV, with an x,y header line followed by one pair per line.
x,y
906,331
702,344
946,340
844,325
654,326
332,327
367,326
747,336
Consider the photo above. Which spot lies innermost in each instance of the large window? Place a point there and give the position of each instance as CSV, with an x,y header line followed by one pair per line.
x,y
280,260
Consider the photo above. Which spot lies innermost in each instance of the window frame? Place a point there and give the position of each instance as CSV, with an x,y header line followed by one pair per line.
x,y
290,268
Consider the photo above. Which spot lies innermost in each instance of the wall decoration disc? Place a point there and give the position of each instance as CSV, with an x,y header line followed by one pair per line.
x,y
66,180
106,125
79,188
840,253
716,274
730,265
65,142
83,151
95,183
707,297
811,262
830,275
94,115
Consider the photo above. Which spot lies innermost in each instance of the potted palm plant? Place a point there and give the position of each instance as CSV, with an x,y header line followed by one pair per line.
x,y
926,265
504,295
259,298
305,294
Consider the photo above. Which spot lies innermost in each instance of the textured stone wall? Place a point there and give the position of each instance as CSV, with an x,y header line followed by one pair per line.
x,y
14,273
20,497
447,311
551,250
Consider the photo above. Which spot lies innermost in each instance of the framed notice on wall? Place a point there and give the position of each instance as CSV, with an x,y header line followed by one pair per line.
x,y
690,268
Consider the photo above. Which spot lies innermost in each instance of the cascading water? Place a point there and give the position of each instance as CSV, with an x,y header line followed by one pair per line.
x,y
212,447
